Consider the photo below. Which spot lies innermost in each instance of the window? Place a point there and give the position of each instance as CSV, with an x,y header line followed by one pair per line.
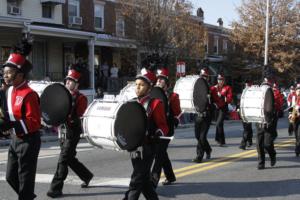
x,y
225,45
46,11
216,44
74,9
99,16
120,25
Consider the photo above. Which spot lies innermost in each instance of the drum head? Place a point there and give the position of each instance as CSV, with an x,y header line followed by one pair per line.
x,y
130,125
56,104
200,93
269,105
159,93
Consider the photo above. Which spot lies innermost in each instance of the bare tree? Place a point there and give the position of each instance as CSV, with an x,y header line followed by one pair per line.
x,y
164,26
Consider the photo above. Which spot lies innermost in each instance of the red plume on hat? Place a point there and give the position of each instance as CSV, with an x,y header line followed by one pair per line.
x,y
147,75
74,73
163,72
17,59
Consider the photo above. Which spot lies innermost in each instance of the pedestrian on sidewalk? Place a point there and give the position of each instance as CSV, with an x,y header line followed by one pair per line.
x,y
67,157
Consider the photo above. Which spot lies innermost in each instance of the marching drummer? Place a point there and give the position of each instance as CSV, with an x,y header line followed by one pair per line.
x,y
291,101
296,111
161,158
248,132
278,96
67,155
142,159
221,96
265,137
23,118
202,124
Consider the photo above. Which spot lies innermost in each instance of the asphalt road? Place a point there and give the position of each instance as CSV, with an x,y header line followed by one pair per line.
x,y
230,174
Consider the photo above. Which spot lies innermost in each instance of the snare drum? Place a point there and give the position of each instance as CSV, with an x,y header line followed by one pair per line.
x,y
193,93
115,125
257,104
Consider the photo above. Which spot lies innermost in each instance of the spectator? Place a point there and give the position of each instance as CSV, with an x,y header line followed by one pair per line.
x,y
114,71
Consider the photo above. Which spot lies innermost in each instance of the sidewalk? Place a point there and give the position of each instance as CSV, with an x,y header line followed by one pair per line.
x,y
52,137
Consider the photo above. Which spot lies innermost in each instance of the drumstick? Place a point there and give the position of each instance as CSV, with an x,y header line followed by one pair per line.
x,y
166,138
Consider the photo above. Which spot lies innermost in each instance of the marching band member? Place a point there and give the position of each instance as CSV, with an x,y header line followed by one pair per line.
x,y
67,155
142,160
295,112
161,158
202,124
24,118
248,132
278,96
291,101
265,137
221,96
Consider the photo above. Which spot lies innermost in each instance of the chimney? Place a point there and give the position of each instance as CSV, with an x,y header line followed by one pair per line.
x,y
200,12
220,21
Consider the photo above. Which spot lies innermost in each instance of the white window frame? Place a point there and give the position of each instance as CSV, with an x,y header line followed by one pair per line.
x,y
77,4
120,20
225,45
101,4
216,44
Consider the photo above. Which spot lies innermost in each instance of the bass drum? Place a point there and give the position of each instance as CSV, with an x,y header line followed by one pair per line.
x,y
257,104
159,93
56,104
115,125
127,93
39,86
193,93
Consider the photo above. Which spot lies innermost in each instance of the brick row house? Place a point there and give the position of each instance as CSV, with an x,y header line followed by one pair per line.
x,y
65,32
89,31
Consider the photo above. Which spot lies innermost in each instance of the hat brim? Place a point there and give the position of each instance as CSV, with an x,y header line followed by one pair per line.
x,y
70,78
144,79
9,65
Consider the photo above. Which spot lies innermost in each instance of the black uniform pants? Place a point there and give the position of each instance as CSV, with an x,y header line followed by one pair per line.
x,y
140,178
220,135
291,128
162,161
67,158
247,134
21,164
202,124
297,136
265,141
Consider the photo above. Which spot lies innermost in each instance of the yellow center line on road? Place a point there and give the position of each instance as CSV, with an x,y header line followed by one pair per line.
x,y
214,163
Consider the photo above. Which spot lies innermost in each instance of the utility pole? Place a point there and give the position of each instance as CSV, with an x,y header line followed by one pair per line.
x,y
267,34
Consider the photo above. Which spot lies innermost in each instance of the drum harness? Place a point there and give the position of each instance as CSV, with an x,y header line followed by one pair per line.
x,y
138,153
62,129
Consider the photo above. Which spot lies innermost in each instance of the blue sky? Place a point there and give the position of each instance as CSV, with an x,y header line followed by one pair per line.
x,y
213,9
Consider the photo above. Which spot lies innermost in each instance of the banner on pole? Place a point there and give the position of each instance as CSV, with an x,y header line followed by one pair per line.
x,y
180,69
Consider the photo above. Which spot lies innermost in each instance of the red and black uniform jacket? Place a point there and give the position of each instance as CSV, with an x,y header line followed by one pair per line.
x,y
291,99
157,122
278,98
23,110
221,96
174,112
79,105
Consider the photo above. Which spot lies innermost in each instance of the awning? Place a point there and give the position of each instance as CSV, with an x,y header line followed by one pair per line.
x,y
112,41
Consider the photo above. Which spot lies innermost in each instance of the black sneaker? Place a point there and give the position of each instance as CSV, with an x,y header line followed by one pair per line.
x,y
85,184
54,194
260,166
243,147
273,161
208,155
197,160
250,143
168,182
